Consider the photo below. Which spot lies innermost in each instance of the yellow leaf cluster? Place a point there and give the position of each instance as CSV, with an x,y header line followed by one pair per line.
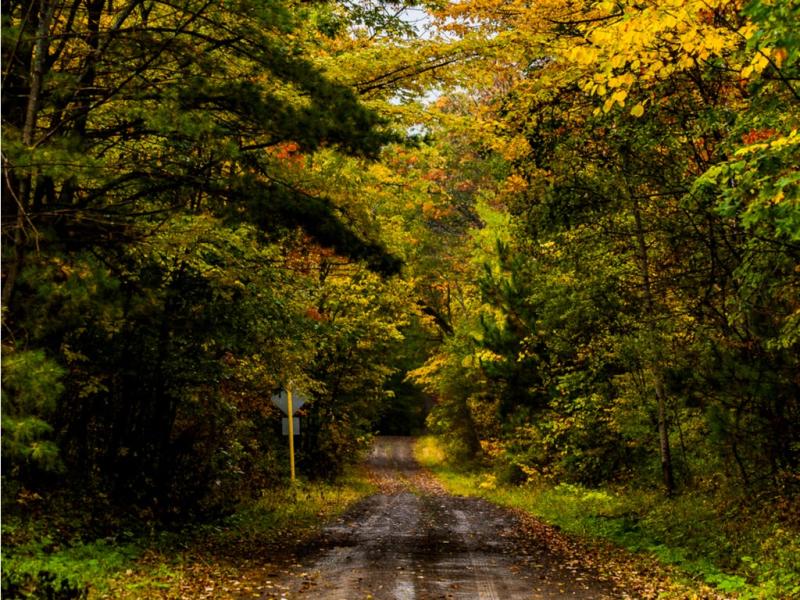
x,y
630,44
514,184
616,50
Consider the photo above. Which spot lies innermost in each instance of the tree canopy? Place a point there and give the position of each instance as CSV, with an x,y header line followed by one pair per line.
x,y
568,232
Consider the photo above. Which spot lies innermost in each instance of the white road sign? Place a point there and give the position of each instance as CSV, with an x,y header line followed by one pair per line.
x,y
281,400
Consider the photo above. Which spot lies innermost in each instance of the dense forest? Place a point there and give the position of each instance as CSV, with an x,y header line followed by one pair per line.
x,y
564,236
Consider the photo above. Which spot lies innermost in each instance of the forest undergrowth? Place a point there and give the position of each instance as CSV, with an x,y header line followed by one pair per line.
x,y
63,555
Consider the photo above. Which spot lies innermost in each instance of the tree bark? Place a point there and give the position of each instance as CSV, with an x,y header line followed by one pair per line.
x,y
23,192
655,368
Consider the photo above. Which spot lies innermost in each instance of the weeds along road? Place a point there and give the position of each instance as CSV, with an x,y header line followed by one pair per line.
x,y
412,540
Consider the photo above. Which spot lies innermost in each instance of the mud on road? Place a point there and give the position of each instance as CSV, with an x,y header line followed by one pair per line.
x,y
412,540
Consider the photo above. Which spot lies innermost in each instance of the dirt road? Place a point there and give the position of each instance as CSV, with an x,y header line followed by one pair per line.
x,y
414,541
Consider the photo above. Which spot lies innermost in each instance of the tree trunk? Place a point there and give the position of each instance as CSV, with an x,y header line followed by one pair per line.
x,y
663,436
472,441
23,192
655,368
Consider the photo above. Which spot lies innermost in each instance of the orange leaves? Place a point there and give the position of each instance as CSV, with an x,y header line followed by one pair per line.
x,y
313,313
779,55
428,208
286,149
758,135
306,256
288,153
466,186
432,211
435,175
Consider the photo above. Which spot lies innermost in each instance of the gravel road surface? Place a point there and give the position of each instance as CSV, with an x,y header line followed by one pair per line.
x,y
412,540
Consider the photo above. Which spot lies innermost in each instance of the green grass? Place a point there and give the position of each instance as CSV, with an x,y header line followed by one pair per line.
x,y
301,507
749,553
37,565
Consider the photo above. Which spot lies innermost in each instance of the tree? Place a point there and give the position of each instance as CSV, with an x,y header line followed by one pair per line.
x,y
160,160
115,113
623,126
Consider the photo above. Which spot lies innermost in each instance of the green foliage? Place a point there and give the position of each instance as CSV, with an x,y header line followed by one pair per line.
x,y
34,572
632,293
32,386
178,242
173,349
31,381
775,30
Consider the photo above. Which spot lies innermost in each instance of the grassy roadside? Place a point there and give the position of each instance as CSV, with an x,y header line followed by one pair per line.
x,y
234,556
747,556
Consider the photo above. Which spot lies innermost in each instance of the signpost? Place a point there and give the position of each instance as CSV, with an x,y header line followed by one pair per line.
x,y
281,400
285,425
289,403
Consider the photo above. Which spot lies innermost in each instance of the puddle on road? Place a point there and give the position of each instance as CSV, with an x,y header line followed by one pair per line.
x,y
403,589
